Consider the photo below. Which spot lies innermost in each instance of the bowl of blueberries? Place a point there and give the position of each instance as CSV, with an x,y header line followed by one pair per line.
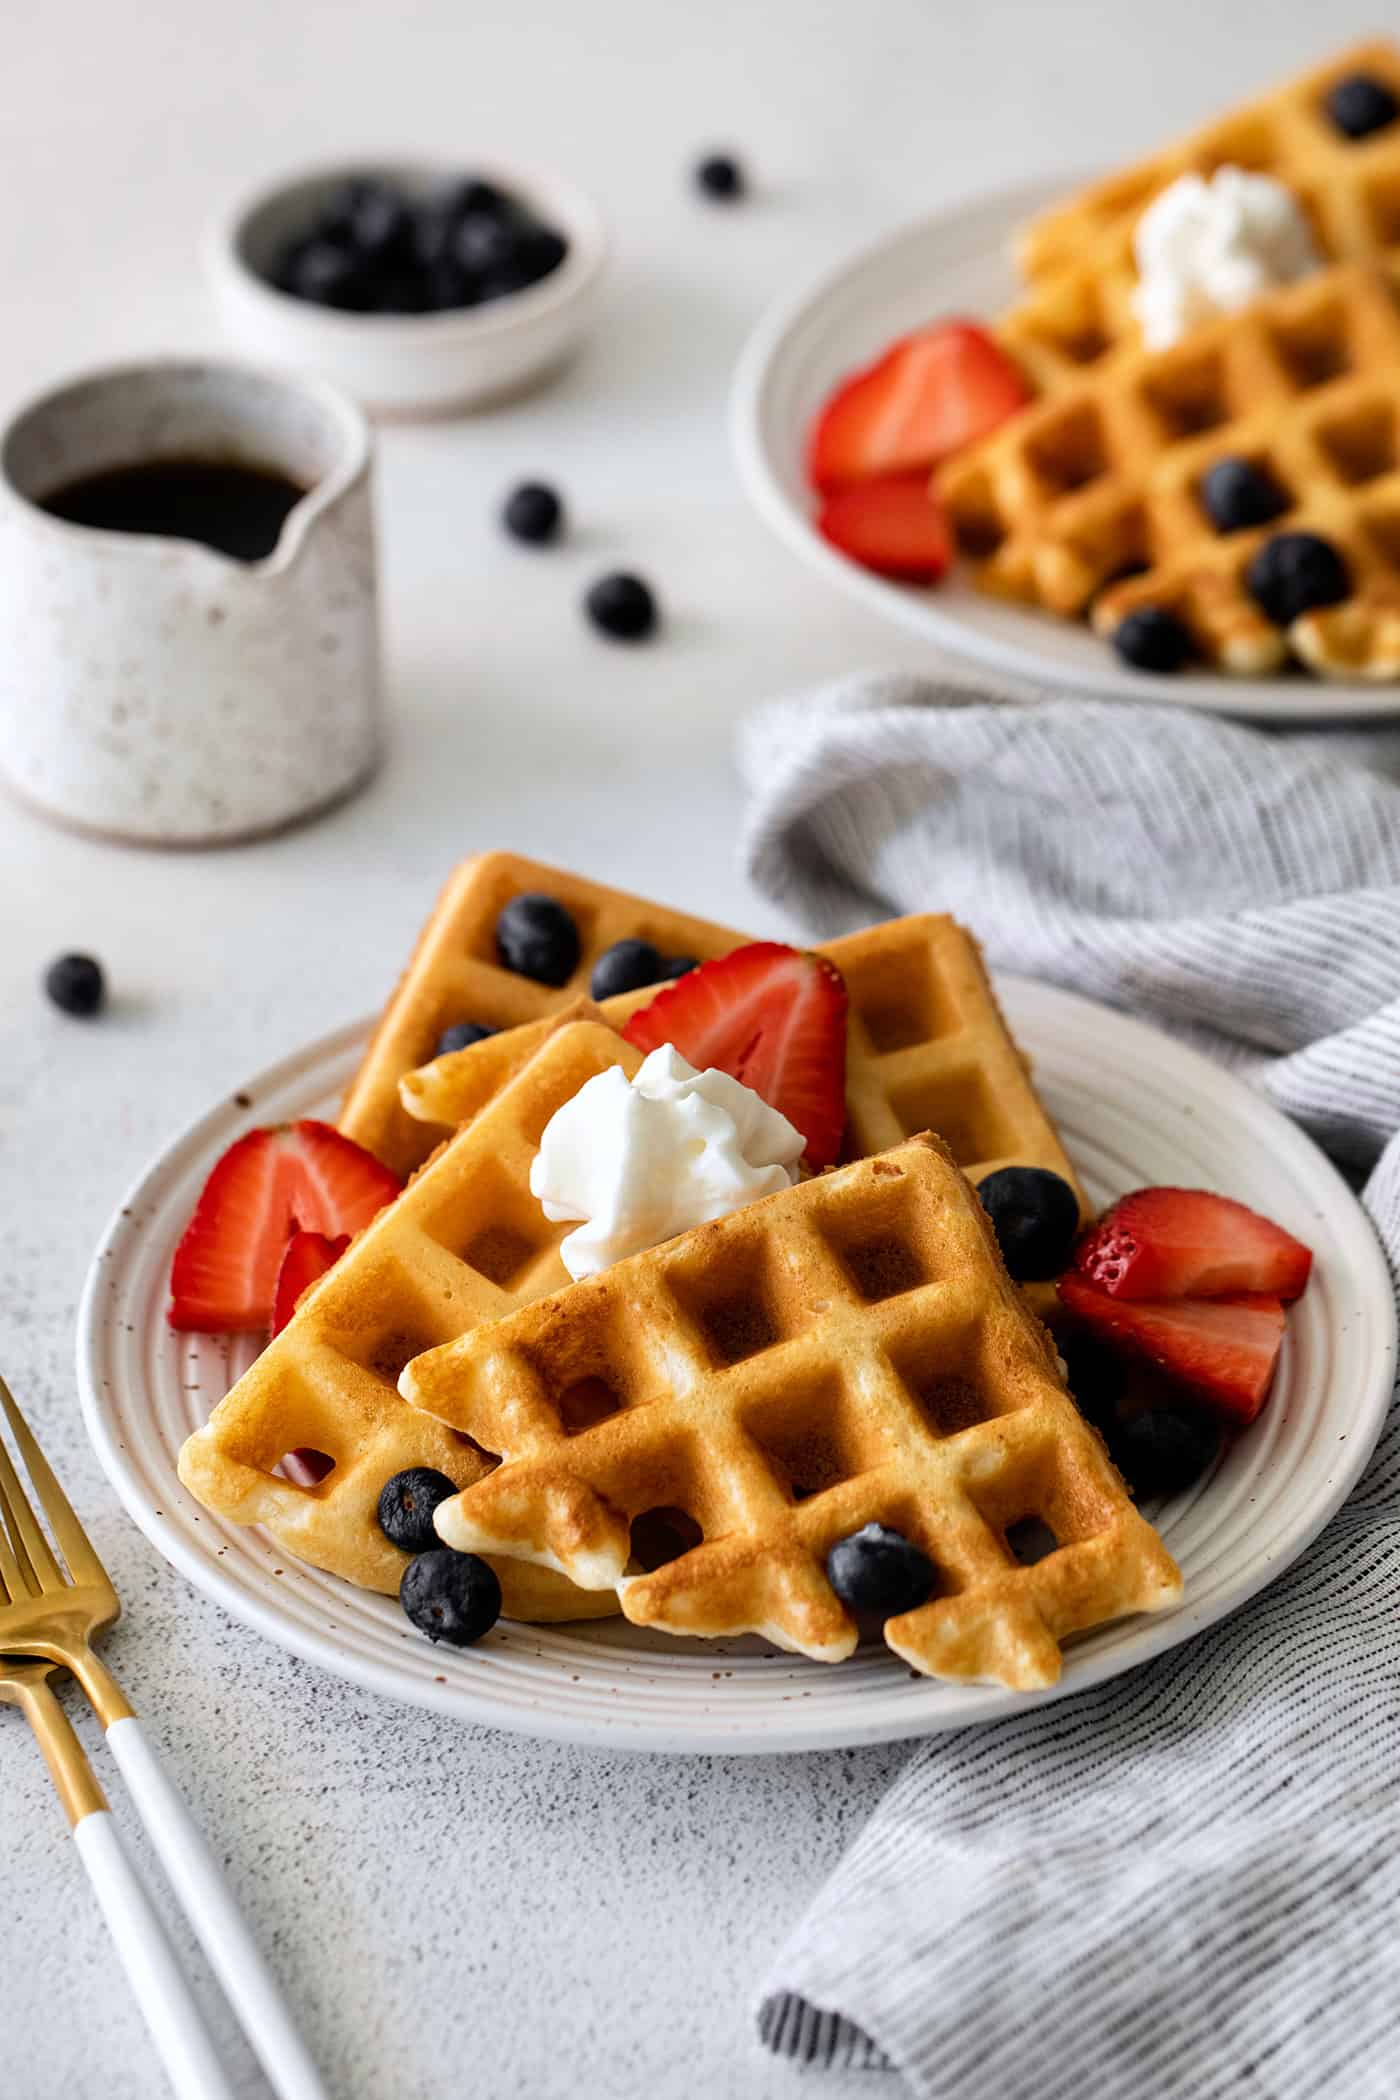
x,y
417,288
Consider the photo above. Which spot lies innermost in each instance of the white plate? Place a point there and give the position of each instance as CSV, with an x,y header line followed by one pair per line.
x,y
953,263
1133,1107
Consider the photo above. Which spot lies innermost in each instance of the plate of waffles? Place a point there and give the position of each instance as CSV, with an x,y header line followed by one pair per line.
x,y
1082,505
658,1453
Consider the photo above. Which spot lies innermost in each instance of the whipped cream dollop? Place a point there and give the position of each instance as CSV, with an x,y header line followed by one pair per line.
x,y
1210,247
639,1161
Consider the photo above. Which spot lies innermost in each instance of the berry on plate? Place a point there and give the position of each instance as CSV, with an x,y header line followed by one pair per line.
x,y
1222,1351
533,513
1164,1449
1293,572
879,1570
930,394
452,1597
626,967
536,937
1188,1243
460,1036
1152,639
1035,1215
301,1176
720,176
309,1255
894,527
406,1505
772,1017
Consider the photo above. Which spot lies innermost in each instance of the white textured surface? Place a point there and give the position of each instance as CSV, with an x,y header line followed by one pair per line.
x,y
459,1912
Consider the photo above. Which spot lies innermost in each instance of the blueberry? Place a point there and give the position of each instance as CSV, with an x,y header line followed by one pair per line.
x,y
1360,104
452,1597
76,984
484,241
879,1570
398,291
450,287
324,272
1035,1215
406,1505
374,215
1152,640
473,195
536,937
720,176
539,251
1293,572
1096,1377
461,1036
626,967
674,966
621,606
533,513
1237,493
1163,1450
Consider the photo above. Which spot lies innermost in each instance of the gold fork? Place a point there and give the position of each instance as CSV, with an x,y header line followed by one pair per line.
x,y
49,1614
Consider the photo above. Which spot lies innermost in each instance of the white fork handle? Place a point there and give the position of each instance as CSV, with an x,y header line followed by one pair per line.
x,y
177,2026
207,1901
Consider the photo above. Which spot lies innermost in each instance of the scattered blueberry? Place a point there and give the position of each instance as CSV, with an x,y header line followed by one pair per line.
x,y
536,937
621,606
1096,1377
76,984
532,513
720,176
879,1570
461,1036
1163,1450
1361,104
1237,493
1152,640
376,248
1293,572
674,966
626,967
1035,1215
406,1505
452,1597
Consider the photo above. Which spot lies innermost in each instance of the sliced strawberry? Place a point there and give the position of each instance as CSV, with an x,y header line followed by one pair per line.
x,y
930,394
224,1276
1188,1243
308,1256
771,1016
1222,1351
894,527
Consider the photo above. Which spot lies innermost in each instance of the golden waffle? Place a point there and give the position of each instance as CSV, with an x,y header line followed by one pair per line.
x,y
1104,478
846,1352
455,975
927,1049
1078,255
464,1243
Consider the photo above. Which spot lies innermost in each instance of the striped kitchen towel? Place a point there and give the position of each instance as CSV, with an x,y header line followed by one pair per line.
x,y
1186,1882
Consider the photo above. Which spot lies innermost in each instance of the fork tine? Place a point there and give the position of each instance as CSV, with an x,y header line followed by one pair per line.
x,y
14,1579
33,1551
83,1563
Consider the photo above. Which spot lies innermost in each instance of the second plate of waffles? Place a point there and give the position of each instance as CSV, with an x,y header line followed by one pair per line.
x,y
1113,531
684,1448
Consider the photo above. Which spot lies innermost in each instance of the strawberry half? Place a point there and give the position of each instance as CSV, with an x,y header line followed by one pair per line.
x,y
930,394
771,1016
1187,1243
894,527
308,1256
1222,1351
269,1183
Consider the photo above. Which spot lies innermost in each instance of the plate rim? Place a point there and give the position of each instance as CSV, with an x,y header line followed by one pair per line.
x,y
1152,1637
1301,700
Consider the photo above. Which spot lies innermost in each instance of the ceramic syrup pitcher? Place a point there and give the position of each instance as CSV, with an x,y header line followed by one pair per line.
x,y
159,688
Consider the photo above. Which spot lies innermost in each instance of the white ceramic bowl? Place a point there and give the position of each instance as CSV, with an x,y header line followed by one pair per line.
x,y
409,364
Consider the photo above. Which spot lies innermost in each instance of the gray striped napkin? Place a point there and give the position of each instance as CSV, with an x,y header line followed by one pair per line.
x,y
1186,1882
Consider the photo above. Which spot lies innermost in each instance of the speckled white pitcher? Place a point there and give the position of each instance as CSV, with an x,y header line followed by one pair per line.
x,y
155,689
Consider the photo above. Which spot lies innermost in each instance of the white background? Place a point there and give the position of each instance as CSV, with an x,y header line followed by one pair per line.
x,y
459,1913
